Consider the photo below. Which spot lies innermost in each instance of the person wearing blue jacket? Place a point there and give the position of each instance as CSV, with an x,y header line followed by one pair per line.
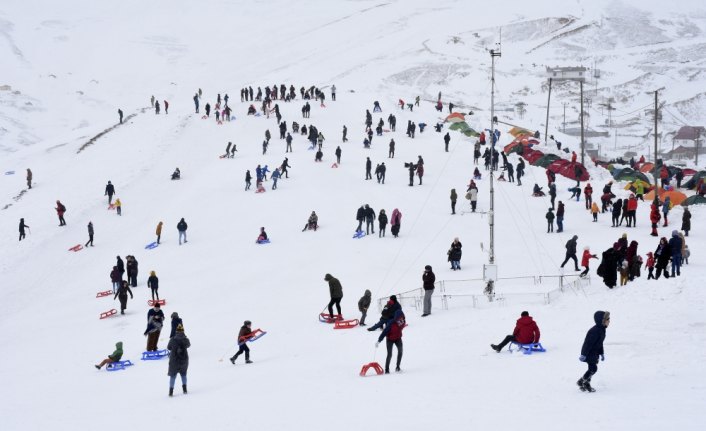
x,y
675,243
592,349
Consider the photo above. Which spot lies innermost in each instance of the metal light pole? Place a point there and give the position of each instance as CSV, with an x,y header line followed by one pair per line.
x,y
490,271
549,98
583,144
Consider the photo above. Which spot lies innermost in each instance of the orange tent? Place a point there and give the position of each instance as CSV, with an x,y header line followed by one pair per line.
x,y
516,131
456,117
674,196
647,167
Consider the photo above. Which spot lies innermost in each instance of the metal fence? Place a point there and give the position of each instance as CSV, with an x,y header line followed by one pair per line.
x,y
509,290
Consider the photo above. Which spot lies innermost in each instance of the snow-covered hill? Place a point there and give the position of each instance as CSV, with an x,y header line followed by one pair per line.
x,y
71,65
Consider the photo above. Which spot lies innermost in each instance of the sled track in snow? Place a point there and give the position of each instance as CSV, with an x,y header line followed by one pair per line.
x,y
110,129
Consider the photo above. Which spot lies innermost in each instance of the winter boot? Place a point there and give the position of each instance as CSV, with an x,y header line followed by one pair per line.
x,y
496,348
581,383
232,360
98,367
183,388
587,386
171,392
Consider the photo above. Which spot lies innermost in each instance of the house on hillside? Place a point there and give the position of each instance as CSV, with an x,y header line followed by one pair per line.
x,y
567,73
685,143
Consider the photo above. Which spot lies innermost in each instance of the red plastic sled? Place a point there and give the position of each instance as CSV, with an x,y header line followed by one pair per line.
x,y
203,117
111,206
260,190
327,318
345,324
254,335
334,165
104,293
77,247
375,366
108,313
151,302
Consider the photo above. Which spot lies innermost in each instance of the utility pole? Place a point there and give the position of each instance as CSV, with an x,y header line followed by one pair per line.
x,y
583,144
546,123
563,124
657,168
490,272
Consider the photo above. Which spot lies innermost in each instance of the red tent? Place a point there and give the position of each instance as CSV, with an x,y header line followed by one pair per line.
x,y
567,169
531,155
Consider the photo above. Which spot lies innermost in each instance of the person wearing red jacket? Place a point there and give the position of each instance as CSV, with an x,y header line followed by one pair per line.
x,y
588,193
573,157
393,332
650,265
526,332
632,210
654,218
585,259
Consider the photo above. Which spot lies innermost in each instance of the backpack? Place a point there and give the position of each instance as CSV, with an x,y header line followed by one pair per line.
x,y
62,208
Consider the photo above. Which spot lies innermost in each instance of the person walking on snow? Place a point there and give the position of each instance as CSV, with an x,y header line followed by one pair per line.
x,y
178,359
60,210
396,222
153,284
181,227
336,294
571,253
29,178
121,294
22,229
90,234
585,260
363,305
454,197
120,114
116,278
382,223
526,332
243,336
428,279
550,220
158,231
592,349
393,334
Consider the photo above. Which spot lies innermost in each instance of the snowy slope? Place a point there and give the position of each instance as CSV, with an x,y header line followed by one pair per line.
x,y
78,62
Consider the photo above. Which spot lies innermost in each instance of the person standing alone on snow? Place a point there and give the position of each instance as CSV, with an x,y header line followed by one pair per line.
x,y
243,336
428,279
90,234
593,348
181,227
60,210
363,305
22,229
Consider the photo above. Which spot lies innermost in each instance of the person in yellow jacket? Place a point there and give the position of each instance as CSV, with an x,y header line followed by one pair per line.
x,y
594,211
118,206
159,231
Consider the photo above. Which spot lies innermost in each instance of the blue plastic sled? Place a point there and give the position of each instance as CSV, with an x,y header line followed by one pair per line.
x,y
151,245
119,365
311,148
527,349
263,241
154,356
359,234
10,173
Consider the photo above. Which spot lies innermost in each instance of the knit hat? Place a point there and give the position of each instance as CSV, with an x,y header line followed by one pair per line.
x,y
175,315
156,304
180,328
247,323
428,267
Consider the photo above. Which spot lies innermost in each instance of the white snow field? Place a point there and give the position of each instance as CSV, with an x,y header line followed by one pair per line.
x,y
70,65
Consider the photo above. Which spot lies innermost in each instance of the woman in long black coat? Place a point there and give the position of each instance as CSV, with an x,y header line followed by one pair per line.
x,y
178,358
662,255
608,269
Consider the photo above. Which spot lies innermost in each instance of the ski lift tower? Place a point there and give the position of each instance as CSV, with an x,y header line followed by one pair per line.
x,y
490,271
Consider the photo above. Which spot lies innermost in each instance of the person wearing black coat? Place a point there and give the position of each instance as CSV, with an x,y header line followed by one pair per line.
x,y
447,139
609,266
176,321
181,227
22,228
455,254
109,191
592,349
120,265
662,255
369,220
153,284
368,168
428,279
178,359
382,223
360,216
388,312
571,253
617,208
412,169
132,271
121,294
155,321
248,180
686,221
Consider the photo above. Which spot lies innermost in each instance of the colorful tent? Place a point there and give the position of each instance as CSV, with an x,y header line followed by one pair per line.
x,y
694,180
647,167
531,155
627,174
547,160
694,200
456,117
673,195
460,126
569,170
688,172
470,132
517,131
646,186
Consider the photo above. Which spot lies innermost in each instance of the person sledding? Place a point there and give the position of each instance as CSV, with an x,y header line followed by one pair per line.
x,y
176,175
312,223
262,238
113,357
537,191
